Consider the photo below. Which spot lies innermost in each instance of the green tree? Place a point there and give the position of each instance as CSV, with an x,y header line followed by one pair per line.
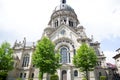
x,y
102,77
85,59
45,57
54,77
6,59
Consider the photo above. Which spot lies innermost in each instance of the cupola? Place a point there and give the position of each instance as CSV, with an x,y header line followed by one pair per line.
x,y
63,14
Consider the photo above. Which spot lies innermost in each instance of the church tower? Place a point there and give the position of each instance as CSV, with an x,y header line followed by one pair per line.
x,y
65,30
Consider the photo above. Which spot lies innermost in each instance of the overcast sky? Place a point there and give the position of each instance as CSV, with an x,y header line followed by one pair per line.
x,y
28,18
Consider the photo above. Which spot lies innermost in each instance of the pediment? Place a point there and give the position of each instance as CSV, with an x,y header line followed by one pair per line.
x,y
63,31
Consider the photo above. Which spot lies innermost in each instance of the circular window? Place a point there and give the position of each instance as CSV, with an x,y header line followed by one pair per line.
x,y
63,32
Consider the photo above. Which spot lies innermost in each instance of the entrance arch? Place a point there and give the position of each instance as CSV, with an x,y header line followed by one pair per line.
x,y
64,75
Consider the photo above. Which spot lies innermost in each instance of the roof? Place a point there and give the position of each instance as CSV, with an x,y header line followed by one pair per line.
x,y
118,49
117,56
109,65
63,7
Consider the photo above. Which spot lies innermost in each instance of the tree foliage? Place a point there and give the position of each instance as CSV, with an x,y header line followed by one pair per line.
x,y
54,77
85,59
45,57
102,77
6,59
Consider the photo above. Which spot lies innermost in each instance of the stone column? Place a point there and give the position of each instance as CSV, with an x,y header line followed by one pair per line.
x,y
59,21
68,74
59,74
67,21
71,71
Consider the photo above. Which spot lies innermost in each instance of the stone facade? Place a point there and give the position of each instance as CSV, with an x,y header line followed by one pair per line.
x,y
65,30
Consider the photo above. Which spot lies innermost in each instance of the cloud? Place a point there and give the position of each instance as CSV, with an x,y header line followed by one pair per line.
x,y
28,18
110,55
98,18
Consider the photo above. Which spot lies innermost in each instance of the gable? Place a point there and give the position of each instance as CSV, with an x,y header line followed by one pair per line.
x,y
64,31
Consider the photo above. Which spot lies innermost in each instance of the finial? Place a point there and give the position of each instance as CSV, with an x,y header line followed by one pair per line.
x,y
63,1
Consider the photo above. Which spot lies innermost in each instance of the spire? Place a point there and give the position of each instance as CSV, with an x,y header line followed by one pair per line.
x,y
63,1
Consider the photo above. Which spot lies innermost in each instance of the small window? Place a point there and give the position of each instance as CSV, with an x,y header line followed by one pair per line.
x,y
69,58
32,75
63,32
56,23
70,23
74,51
100,74
21,75
75,73
63,1
24,75
64,19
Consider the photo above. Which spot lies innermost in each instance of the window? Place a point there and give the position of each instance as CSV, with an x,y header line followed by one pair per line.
x,y
100,74
63,32
69,58
74,51
32,75
64,75
56,23
97,51
21,75
70,23
63,1
25,61
75,73
64,19
65,55
99,63
24,75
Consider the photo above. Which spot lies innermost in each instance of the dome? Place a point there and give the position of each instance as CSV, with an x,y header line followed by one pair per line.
x,y
63,7
80,26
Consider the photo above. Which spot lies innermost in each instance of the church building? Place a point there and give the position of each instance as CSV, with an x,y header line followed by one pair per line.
x,y
65,30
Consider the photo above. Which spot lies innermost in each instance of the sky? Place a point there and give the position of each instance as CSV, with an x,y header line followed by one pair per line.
x,y
29,18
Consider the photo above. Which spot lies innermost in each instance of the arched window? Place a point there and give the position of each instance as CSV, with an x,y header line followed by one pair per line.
x,y
64,75
65,56
64,19
56,23
25,61
75,73
70,23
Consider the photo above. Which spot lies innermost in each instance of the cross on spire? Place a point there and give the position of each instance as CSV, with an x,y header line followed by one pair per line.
x,y
63,1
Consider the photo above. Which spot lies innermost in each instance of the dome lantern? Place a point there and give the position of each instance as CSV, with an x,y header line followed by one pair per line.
x,y
63,1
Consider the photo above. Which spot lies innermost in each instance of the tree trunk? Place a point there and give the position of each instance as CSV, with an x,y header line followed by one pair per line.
x,y
40,75
87,75
48,76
